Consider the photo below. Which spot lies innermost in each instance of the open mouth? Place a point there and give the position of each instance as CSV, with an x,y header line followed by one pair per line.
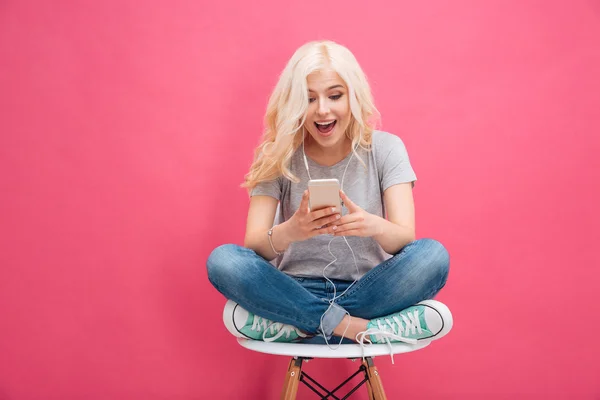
x,y
326,128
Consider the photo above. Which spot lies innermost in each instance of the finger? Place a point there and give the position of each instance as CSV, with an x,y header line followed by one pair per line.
x,y
346,219
347,227
304,203
323,212
322,231
325,221
352,232
348,203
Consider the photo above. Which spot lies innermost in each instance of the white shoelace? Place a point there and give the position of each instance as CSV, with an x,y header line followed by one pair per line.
x,y
392,330
276,328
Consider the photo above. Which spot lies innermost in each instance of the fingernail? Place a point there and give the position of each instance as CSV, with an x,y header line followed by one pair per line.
x,y
332,209
338,216
334,227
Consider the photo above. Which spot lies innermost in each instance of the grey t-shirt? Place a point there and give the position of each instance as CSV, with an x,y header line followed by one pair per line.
x,y
387,165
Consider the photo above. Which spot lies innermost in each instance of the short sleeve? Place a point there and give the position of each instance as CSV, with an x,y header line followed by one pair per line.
x,y
271,188
396,166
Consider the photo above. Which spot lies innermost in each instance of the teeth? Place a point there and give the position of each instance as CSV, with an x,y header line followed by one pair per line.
x,y
324,123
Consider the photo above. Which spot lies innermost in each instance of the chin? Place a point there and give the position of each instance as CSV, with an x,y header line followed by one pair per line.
x,y
330,141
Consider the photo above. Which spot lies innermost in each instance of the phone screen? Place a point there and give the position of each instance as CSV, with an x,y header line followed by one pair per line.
x,y
324,193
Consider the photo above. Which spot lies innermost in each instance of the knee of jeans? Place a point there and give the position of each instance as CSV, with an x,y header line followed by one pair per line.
x,y
221,263
438,258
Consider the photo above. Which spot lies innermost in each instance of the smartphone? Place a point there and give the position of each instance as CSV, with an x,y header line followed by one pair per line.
x,y
324,193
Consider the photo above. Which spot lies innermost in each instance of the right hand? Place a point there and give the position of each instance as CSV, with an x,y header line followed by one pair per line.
x,y
305,224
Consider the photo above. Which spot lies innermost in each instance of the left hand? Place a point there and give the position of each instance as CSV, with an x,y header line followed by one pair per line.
x,y
357,222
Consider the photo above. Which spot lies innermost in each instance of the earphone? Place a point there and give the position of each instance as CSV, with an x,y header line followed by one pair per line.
x,y
335,296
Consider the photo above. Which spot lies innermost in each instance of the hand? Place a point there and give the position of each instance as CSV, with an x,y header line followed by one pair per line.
x,y
305,224
357,222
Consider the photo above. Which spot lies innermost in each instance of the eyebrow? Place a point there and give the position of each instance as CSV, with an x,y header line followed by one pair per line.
x,y
329,88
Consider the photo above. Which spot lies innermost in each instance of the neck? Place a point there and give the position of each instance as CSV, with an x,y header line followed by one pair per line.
x,y
327,156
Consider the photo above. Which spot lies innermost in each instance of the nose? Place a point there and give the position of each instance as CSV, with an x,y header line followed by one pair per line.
x,y
323,108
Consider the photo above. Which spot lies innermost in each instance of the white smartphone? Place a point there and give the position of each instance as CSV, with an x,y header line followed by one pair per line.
x,y
324,193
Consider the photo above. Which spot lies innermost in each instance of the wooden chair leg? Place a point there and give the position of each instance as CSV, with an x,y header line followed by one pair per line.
x,y
292,379
374,385
369,390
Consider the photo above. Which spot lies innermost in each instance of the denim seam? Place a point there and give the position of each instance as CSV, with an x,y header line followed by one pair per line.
x,y
376,271
305,322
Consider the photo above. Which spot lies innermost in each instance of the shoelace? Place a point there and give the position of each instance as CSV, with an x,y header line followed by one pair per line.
x,y
276,328
392,330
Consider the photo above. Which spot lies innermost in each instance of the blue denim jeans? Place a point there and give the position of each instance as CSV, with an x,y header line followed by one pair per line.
x,y
417,272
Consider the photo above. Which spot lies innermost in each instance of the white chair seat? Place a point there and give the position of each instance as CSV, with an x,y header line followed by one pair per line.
x,y
323,351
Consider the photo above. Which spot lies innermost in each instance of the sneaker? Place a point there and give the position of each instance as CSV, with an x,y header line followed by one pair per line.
x,y
244,324
427,320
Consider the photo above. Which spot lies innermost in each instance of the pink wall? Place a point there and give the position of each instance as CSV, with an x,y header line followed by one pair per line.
x,y
126,129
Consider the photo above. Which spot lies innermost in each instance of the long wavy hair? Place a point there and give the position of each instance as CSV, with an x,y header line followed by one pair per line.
x,y
288,105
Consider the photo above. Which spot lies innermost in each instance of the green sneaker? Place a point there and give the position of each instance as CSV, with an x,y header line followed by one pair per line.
x,y
427,320
244,324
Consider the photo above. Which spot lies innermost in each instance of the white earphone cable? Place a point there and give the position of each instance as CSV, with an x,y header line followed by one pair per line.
x,y
335,296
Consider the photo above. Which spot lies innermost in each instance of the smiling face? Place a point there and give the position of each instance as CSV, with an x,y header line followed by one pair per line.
x,y
328,114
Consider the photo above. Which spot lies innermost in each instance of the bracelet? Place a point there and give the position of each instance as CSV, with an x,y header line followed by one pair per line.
x,y
269,234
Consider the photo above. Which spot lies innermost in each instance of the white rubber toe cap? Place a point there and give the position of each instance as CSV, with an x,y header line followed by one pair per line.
x,y
234,317
438,318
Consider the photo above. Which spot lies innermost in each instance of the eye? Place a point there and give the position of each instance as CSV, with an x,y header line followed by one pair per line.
x,y
311,99
336,97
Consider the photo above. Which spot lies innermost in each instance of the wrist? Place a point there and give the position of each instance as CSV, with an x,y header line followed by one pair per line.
x,y
379,227
279,238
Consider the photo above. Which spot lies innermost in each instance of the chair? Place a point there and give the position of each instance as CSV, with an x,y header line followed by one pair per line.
x,y
302,352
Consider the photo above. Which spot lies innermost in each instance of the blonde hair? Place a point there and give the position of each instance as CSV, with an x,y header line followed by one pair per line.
x,y
288,105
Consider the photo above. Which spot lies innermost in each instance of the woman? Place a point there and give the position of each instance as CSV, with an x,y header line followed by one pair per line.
x,y
356,275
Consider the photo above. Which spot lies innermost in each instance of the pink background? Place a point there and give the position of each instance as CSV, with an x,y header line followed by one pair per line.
x,y
126,128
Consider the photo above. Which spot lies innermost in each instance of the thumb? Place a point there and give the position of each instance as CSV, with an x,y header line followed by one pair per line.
x,y
304,202
348,203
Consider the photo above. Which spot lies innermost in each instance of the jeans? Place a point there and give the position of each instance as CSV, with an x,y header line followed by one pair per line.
x,y
417,272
